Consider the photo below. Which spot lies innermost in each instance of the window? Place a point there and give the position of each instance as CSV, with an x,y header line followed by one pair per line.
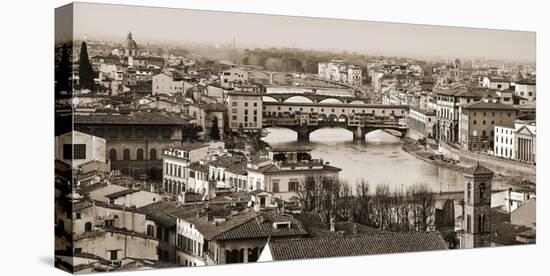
x,y
88,227
114,255
112,154
469,192
79,151
293,185
153,154
275,186
78,250
140,154
126,154
468,223
78,215
482,192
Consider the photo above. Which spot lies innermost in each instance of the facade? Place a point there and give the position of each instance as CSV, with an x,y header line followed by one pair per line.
x,y
496,83
233,76
525,141
77,148
527,89
176,161
422,121
476,227
245,111
449,101
165,84
504,140
134,141
477,123
338,71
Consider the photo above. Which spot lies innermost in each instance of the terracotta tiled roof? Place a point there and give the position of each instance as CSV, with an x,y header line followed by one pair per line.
x,y
159,212
339,246
478,169
262,226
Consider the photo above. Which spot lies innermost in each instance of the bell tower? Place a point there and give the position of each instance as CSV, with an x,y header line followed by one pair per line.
x,y
477,207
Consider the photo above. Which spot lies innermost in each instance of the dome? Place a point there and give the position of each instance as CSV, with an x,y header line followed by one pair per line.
x,y
130,43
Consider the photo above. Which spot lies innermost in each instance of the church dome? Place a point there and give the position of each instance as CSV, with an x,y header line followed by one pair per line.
x,y
130,43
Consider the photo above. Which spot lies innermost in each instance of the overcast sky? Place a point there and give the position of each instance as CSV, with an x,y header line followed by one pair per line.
x,y
164,24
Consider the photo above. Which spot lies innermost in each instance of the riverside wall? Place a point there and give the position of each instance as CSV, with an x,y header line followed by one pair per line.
x,y
498,165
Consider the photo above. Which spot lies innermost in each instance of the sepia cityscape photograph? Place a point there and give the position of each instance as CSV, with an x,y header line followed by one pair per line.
x,y
189,138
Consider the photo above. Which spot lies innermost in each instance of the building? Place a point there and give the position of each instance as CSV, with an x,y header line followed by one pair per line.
x,y
338,71
165,83
233,76
77,148
478,120
288,172
245,110
112,233
504,140
353,245
496,83
134,141
525,142
175,164
422,121
131,48
527,89
476,225
216,236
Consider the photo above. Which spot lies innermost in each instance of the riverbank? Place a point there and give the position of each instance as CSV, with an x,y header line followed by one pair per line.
x,y
413,148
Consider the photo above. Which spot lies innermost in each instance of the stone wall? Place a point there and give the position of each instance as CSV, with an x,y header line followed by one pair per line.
x,y
498,165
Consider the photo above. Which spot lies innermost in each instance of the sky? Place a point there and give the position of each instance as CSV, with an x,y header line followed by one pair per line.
x,y
180,25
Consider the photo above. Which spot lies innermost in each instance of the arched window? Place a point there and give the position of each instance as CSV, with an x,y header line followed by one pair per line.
x,y
153,154
469,192
139,154
112,154
126,154
482,192
88,227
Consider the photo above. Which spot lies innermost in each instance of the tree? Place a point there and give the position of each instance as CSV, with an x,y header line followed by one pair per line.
x,y
85,70
190,132
63,73
215,130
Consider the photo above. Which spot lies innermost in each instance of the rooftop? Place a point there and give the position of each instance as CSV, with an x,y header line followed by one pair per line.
x,y
135,118
477,170
488,106
355,245
262,226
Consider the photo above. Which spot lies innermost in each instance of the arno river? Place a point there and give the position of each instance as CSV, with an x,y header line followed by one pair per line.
x,y
379,159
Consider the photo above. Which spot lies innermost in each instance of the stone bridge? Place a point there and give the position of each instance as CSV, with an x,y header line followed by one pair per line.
x,y
315,98
304,118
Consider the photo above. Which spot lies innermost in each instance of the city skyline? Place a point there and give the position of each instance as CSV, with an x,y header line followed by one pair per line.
x,y
256,30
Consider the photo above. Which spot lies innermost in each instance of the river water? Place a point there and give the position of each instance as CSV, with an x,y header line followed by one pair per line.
x,y
379,159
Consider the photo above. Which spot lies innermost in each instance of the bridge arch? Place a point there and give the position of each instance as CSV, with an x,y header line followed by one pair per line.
x,y
330,101
343,118
332,118
322,117
298,99
269,99
357,102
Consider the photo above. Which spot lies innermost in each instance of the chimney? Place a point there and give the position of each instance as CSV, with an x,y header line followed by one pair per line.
x,y
332,226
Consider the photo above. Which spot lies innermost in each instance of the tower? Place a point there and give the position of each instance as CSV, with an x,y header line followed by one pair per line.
x,y
477,207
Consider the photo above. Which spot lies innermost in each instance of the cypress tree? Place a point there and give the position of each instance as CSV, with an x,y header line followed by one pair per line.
x,y
215,130
85,70
63,73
